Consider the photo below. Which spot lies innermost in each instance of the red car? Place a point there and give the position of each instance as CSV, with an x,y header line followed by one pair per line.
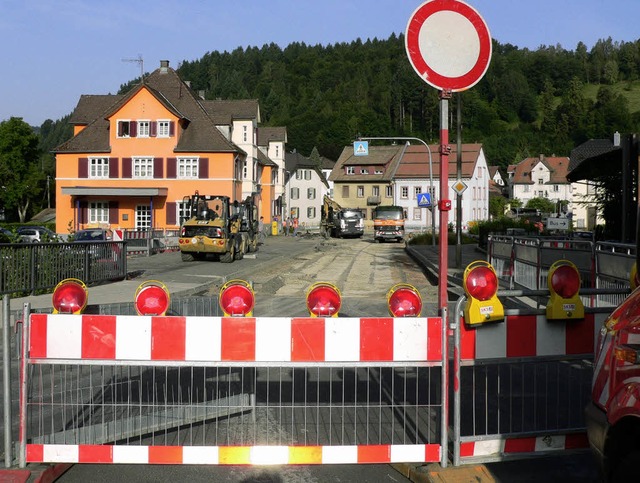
x,y
613,415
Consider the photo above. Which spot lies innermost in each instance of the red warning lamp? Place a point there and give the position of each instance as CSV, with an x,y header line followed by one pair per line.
x,y
404,300
152,298
237,299
480,283
70,297
564,283
323,300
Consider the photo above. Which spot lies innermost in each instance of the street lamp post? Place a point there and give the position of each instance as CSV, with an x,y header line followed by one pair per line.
x,y
403,138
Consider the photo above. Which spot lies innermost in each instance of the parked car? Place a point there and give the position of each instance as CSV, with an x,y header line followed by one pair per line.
x,y
613,414
6,236
36,234
93,234
96,250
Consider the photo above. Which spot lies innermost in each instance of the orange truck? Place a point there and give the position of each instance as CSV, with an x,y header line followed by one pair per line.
x,y
388,223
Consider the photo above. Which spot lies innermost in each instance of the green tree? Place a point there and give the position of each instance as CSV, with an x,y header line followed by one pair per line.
x,y
20,171
543,204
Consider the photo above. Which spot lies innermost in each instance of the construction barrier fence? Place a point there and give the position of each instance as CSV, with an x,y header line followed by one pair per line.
x,y
216,390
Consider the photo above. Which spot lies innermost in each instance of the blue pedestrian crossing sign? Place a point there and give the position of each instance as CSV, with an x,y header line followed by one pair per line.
x,y
424,200
361,148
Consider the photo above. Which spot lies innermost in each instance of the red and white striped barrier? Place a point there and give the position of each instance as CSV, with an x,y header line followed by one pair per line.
x,y
514,446
220,339
530,336
232,455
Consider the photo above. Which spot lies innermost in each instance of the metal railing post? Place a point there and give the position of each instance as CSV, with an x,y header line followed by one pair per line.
x,y
6,380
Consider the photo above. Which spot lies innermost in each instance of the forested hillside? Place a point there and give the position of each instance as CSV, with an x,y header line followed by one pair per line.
x,y
531,101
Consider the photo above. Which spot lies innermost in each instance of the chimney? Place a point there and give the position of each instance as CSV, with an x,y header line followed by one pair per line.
x,y
164,66
542,157
201,94
188,83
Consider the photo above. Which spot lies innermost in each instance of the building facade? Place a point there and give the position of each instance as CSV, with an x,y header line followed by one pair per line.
x,y
135,158
398,174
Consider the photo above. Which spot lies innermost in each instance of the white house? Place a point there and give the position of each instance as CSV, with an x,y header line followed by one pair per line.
x,y
305,188
412,178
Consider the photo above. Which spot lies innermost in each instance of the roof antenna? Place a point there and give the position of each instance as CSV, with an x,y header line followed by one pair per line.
x,y
140,62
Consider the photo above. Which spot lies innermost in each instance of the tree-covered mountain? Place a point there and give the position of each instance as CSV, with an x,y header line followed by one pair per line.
x,y
547,100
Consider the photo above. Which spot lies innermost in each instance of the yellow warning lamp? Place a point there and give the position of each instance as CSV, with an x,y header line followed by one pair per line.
x,y
564,282
70,297
237,299
323,300
404,300
481,286
152,298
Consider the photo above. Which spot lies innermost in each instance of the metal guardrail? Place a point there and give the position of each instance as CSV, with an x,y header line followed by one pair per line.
x,y
30,268
524,262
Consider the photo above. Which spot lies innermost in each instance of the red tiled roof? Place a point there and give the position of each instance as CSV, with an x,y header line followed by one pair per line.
x,y
558,166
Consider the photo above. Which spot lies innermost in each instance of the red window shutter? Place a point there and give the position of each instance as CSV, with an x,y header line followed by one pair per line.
x,y
83,215
114,216
83,167
153,128
203,168
126,167
113,168
120,129
172,128
133,128
172,168
158,165
170,208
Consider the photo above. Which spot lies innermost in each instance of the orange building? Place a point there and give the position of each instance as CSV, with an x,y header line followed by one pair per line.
x,y
135,157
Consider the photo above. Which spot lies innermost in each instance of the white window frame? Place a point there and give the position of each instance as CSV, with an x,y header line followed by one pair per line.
x,y
311,193
375,191
98,168
351,170
188,168
128,134
295,193
298,174
142,167
98,212
417,214
360,191
244,134
388,192
364,171
416,191
307,174
404,192
182,212
163,128
144,128
311,212
143,217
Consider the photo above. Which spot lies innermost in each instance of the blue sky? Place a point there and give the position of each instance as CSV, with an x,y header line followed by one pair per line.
x,y
53,51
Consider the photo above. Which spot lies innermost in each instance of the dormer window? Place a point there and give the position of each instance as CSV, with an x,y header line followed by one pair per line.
x,y
364,171
351,170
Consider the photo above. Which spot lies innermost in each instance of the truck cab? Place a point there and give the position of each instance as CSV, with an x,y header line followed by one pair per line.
x,y
349,223
388,223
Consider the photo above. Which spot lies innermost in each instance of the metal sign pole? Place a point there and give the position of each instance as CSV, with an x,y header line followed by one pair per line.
x,y
444,204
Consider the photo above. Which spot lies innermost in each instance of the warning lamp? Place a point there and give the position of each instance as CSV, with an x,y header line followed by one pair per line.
x,y
70,297
323,300
404,300
237,299
481,286
152,298
564,282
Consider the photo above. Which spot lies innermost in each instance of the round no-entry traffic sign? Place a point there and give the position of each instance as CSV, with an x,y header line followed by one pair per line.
x,y
448,44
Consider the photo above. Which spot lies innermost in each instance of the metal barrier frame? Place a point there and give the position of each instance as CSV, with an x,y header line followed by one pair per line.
x,y
94,340
500,447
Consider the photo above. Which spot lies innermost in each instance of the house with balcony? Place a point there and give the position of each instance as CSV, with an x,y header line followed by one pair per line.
x,y
398,174
134,158
541,177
